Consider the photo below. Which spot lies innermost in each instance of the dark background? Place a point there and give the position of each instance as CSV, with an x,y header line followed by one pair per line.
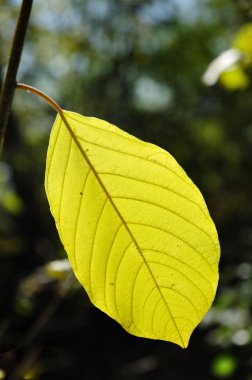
x,y
138,64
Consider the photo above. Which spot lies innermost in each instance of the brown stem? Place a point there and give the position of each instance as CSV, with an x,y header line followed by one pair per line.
x,y
42,95
47,98
9,83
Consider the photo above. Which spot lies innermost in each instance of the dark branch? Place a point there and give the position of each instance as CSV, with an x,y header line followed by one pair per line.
x,y
9,83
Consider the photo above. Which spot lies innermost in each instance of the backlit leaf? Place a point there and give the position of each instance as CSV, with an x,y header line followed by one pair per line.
x,y
136,229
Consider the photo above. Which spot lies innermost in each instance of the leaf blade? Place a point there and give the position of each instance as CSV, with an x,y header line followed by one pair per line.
x,y
120,194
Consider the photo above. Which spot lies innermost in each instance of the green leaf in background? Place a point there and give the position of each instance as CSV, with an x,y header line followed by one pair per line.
x,y
224,366
136,229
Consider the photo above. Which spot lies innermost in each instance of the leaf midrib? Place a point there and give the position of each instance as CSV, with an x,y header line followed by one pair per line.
x,y
70,130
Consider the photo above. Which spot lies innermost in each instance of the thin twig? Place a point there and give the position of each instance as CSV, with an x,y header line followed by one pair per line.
x,y
9,83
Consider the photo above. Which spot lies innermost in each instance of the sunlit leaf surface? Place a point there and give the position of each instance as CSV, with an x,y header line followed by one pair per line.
x,y
136,229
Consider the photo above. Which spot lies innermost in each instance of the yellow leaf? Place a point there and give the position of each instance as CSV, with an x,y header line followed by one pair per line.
x,y
136,229
242,40
234,79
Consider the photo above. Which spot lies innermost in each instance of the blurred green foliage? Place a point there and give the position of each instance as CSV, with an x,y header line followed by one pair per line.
x,y
224,366
138,64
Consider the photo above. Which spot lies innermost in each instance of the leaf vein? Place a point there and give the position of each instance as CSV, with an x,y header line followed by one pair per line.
x,y
157,185
176,236
171,211
180,261
77,219
153,315
140,158
107,261
119,265
93,244
63,184
133,290
182,274
136,140
182,295
52,153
